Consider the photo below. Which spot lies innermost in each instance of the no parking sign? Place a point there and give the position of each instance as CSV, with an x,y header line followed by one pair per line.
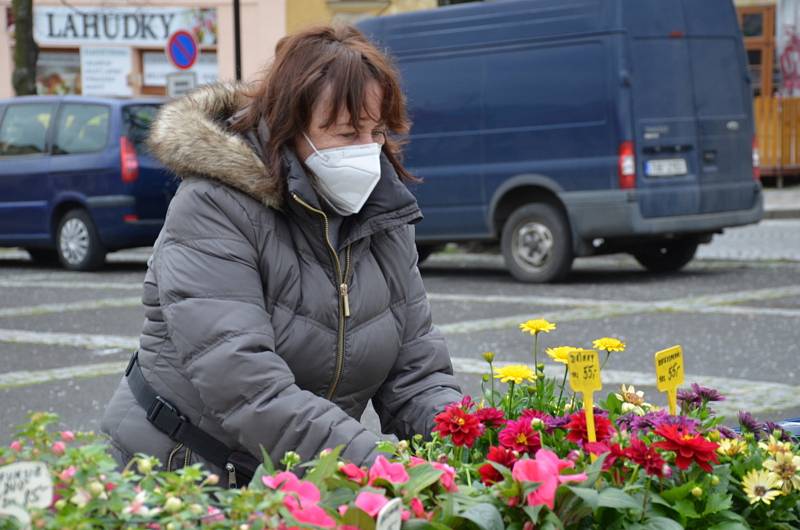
x,y
182,49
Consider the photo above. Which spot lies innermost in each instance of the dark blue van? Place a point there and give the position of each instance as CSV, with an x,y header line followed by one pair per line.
x,y
567,128
76,180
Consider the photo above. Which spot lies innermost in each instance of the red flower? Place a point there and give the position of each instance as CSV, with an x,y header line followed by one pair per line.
x,y
614,451
490,416
462,427
577,428
688,447
500,455
519,436
646,456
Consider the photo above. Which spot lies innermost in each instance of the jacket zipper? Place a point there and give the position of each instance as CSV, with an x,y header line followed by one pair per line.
x,y
344,298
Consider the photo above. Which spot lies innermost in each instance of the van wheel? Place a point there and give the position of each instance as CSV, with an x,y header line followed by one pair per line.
x,y
79,248
425,251
667,256
43,256
537,244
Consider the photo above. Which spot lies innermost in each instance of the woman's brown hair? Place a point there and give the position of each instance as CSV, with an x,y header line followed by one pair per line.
x,y
305,64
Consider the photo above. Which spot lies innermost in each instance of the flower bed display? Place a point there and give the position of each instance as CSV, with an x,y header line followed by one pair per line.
x,y
520,457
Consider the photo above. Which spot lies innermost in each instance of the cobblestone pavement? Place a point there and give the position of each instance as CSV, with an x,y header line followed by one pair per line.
x,y
65,337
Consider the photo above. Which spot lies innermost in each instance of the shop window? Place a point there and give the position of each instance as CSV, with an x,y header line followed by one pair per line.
x,y
81,129
753,24
58,72
24,129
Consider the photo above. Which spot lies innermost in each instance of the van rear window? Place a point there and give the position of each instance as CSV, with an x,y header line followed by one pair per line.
x,y
136,121
661,78
718,77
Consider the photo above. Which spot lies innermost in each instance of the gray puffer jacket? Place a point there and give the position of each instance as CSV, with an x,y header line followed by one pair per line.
x,y
256,329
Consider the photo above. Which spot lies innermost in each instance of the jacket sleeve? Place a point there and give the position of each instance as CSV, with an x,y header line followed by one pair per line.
x,y
421,381
212,299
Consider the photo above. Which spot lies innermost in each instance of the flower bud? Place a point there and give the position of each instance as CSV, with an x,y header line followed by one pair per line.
x,y
67,436
485,378
531,390
488,357
96,488
170,526
666,471
58,448
714,480
212,479
16,445
144,465
322,454
196,509
714,436
173,504
574,455
60,504
244,527
697,491
537,424
291,459
442,459
402,446
540,367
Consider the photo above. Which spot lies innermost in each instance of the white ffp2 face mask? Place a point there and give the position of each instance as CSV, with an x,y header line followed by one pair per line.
x,y
346,175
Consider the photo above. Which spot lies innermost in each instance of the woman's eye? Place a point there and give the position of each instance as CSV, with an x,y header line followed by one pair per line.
x,y
348,135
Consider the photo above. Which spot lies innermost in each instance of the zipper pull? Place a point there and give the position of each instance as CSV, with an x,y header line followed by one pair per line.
x,y
345,299
231,469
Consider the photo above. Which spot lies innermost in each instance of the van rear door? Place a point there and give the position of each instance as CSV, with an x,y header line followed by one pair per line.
x,y
723,104
663,108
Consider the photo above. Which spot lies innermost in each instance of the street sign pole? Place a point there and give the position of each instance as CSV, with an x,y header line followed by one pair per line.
x,y
237,39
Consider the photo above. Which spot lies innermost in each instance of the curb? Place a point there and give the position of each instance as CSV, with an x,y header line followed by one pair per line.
x,y
782,213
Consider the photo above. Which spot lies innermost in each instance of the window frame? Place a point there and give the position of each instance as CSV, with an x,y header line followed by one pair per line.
x,y
61,108
48,135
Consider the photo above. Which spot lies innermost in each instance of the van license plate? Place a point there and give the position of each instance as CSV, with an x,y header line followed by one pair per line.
x,y
666,167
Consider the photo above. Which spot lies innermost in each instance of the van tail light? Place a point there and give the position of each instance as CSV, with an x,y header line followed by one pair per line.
x,y
756,160
627,166
128,161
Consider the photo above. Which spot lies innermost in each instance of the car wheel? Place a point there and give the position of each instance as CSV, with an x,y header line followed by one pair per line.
x,y
79,248
43,256
667,256
537,244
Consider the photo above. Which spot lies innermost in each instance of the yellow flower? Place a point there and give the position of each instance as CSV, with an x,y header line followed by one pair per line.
x,y
560,354
759,486
516,373
786,467
774,446
609,344
536,326
732,447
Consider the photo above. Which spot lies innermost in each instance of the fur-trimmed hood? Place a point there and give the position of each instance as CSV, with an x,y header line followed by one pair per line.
x,y
189,137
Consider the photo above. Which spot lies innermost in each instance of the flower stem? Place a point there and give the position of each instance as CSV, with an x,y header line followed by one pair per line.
x,y
563,384
491,372
644,501
608,354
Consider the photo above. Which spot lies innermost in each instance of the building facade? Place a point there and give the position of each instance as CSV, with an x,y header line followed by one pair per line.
x,y
118,48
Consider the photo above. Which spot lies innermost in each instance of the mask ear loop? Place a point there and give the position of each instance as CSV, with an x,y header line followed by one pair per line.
x,y
313,146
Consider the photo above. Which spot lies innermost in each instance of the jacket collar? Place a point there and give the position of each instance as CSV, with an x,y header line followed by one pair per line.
x,y
190,137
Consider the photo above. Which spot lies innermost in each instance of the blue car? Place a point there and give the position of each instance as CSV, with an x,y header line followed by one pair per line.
x,y
565,128
76,180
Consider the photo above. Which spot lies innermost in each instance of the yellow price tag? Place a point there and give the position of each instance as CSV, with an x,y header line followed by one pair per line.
x,y
669,374
584,371
584,377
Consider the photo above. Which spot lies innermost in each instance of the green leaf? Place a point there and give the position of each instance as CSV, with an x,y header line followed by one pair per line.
x,y
419,478
686,508
661,523
729,525
358,518
588,495
717,502
266,460
485,516
325,467
678,492
532,512
616,498
421,524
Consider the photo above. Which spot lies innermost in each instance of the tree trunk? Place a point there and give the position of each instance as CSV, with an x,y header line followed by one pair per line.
x,y
26,52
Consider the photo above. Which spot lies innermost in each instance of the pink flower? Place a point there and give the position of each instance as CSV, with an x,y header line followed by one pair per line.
x,y
371,503
58,448
448,478
519,436
312,515
67,436
110,486
490,416
419,509
383,469
16,445
214,515
545,469
287,481
67,474
353,472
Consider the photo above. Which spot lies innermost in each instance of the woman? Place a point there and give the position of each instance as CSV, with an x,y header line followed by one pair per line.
x,y
283,291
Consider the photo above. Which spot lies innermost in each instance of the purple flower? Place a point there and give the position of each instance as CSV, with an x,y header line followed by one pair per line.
x,y
706,394
727,432
748,423
653,420
771,427
557,423
688,399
